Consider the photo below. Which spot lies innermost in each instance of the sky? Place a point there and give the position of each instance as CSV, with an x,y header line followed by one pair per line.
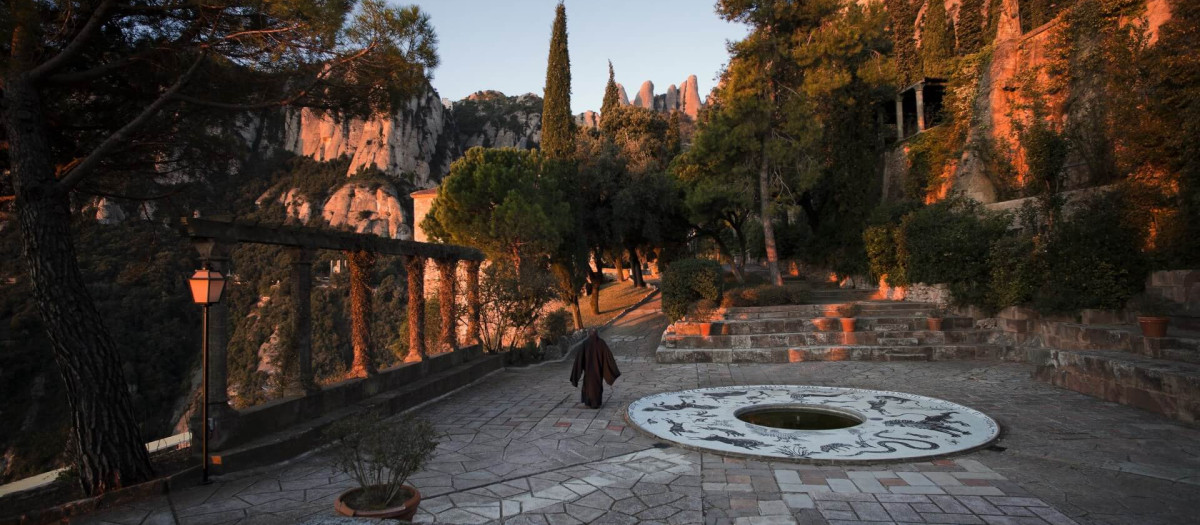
x,y
503,45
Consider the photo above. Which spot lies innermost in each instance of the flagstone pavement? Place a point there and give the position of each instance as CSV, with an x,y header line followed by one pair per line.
x,y
521,449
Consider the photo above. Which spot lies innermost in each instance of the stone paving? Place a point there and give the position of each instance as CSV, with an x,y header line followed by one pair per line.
x,y
521,449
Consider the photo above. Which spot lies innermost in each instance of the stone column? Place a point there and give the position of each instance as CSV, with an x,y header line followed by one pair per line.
x,y
473,303
415,267
900,117
302,259
361,264
447,339
921,107
216,255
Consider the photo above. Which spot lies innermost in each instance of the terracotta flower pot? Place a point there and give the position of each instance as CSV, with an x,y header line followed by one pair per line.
x,y
848,324
1154,326
935,324
403,512
825,324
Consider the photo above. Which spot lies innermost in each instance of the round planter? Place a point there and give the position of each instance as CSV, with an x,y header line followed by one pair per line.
x,y
825,324
848,324
935,324
404,512
1153,326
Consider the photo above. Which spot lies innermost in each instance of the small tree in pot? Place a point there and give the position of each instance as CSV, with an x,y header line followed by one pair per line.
x,y
849,312
380,456
936,314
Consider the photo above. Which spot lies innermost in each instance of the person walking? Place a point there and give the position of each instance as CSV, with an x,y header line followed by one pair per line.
x,y
594,363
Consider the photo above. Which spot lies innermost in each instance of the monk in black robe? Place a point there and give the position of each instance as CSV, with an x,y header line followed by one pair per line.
x,y
594,363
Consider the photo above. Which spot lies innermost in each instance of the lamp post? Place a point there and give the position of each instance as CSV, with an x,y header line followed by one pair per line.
x,y
207,286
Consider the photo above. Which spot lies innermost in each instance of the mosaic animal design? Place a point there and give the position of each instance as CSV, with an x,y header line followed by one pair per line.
x,y
677,428
939,423
683,404
881,401
835,447
886,441
748,444
794,451
723,395
726,431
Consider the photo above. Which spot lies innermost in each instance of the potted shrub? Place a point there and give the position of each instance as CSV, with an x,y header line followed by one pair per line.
x,y
849,312
1153,315
934,320
380,456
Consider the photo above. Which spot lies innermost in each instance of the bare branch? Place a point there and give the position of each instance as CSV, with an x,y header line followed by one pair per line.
x,y
84,168
77,44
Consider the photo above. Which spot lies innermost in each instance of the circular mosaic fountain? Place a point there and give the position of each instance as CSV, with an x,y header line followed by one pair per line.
x,y
813,423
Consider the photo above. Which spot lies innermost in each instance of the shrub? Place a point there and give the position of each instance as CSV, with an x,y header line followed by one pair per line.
x,y
687,281
765,295
554,325
949,242
1016,271
882,255
380,455
1092,260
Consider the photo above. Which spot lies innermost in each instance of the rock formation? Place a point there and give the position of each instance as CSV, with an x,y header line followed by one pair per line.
x,y
588,119
689,98
493,120
624,97
414,142
645,96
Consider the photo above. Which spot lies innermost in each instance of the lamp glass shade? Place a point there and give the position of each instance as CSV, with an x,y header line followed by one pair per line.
x,y
207,286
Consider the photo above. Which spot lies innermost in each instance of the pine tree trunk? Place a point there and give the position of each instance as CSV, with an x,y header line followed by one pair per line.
x,y
576,314
768,230
109,450
597,279
635,268
619,264
361,263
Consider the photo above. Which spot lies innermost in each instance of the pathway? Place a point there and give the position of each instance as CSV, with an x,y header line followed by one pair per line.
x,y
520,448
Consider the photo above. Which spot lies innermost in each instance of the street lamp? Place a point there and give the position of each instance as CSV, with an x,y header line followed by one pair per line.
x,y
207,286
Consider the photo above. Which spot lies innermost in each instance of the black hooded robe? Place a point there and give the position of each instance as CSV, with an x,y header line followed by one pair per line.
x,y
594,363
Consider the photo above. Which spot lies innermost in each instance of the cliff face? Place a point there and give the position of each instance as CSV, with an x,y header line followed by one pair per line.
x,y
493,120
416,142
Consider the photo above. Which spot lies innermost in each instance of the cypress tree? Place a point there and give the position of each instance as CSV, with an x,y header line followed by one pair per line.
x,y
970,27
612,98
937,40
558,134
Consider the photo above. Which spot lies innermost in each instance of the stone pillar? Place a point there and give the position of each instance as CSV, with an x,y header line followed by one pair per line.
x,y
473,303
361,263
921,107
216,256
415,267
302,259
447,279
900,117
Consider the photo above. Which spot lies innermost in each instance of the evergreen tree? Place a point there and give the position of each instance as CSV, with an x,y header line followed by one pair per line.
x,y
937,40
612,99
970,27
558,134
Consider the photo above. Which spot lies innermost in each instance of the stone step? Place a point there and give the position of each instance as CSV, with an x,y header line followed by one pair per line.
x,y
818,338
839,353
1170,388
1182,349
813,324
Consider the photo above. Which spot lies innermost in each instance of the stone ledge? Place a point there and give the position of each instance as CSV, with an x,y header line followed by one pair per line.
x,y
1165,387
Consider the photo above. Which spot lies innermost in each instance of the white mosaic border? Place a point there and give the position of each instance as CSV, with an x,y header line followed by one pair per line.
x,y
896,425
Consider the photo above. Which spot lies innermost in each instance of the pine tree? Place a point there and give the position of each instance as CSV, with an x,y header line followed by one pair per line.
x,y
937,40
970,27
558,133
612,99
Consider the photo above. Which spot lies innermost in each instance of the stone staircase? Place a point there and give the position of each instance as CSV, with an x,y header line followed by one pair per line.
x,y
1117,364
885,331
1110,361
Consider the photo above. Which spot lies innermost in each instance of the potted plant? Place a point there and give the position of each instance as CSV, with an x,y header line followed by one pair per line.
x,y
380,456
1153,315
849,312
936,314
